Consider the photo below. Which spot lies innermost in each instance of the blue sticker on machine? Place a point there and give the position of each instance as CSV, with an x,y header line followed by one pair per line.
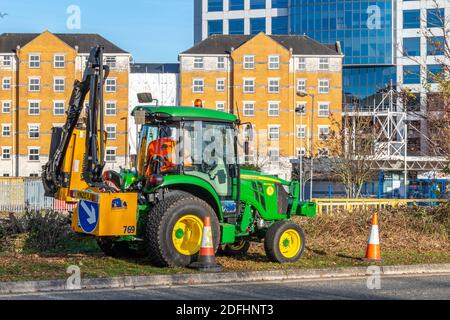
x,y
119,204
228,206
88,215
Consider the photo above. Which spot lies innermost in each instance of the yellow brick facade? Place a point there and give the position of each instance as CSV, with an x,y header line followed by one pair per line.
x,y
35,61
286,73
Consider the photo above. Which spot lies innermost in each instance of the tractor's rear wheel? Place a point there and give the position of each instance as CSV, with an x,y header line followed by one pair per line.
x,y
174,229
284,242
239,248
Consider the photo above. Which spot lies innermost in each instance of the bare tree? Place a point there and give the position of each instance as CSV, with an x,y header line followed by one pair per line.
x,y
351,145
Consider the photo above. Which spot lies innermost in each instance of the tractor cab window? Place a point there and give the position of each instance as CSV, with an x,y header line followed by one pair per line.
x,y
208,152
157,149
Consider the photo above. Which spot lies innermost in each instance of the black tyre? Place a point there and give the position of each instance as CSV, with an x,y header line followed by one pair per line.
x,y
174,229
284,242
239,248
115,249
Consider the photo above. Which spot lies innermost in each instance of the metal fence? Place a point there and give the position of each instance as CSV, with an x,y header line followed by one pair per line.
x,y
20,194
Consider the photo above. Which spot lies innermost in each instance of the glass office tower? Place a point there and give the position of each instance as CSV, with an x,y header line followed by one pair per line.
x,y
365,30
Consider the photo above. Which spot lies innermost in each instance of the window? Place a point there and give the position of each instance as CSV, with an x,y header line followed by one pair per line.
x,y
324,152
280,25
435,18
59,84
274,155
199,63
6,61
34,108
215,5
6,83
301,152
411,74
110,108
280,4
236,5
220,106
411,47
111,133
411,19
274,85
436,46
249,85
257,25
110,85
249,62
6,153
249,109
34,61
301,132
220,85
34,84
59,61
221,63
215,27
324,132
197,86
274,62
6,130
324,64
434,71
324,86
324,109
111,62
33,131
274,109
236,26
274,133
33,154
6,106
301,85
257,4
301,64
110,155
59,108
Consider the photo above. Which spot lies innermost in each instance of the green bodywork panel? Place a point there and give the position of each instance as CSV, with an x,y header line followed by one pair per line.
x,y
228,233
189,113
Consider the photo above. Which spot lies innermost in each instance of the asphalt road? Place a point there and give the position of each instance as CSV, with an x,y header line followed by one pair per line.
x,y
396,287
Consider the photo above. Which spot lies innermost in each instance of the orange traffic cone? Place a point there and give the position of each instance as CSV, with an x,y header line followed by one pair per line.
x,y
373,252
206,260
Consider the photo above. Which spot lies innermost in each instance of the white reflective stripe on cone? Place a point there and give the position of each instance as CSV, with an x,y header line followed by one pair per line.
x,y
374,236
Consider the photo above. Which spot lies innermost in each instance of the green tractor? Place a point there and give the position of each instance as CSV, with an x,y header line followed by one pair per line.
x,y
187,168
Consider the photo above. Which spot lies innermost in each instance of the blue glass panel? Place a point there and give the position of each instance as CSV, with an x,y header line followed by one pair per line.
x,y
433,71
280,4
236,5
257,25
257,4
435,46
280,25
215,5
411,47
215,27
411,19
411,74
435,18
236,26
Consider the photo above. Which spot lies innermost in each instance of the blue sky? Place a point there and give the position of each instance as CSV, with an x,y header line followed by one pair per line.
x,y
152,30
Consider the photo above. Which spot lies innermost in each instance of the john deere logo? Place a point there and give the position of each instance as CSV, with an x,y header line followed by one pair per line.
x,y
270,191
119,204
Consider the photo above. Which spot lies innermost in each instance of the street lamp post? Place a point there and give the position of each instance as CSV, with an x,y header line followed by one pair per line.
x,y
126,141
311,135
300,111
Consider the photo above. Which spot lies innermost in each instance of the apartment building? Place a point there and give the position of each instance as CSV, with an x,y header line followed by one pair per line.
x,y
263,79
37,72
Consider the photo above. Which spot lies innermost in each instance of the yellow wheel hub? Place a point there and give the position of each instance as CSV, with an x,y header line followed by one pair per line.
x,y
187,234
290,243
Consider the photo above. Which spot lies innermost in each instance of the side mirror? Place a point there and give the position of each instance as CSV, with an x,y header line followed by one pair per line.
x,y
145,97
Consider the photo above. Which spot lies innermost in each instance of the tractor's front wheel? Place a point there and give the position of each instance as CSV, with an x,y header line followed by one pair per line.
x,y
174,229
284,242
